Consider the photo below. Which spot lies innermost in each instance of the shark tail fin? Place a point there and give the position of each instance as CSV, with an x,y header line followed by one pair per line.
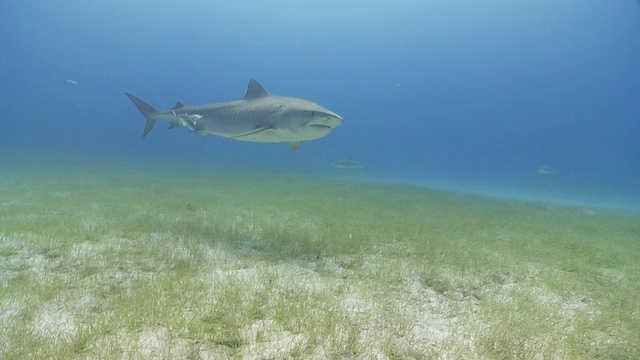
x,y
146,110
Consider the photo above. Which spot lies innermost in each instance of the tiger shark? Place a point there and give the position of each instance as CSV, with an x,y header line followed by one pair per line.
x,y
257,117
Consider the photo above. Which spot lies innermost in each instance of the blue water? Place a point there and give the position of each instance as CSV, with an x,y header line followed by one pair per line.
x,y
469,95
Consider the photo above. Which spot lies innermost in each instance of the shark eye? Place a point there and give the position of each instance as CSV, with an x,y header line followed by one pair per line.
x,y
313,113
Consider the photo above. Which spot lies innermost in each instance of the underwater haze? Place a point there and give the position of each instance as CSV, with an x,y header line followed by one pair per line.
x,y
468,95
480,198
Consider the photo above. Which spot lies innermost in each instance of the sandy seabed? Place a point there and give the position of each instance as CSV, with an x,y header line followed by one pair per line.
x,y
97,263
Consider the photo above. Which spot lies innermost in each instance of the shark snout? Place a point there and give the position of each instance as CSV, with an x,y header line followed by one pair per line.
x,y
330,121
335,121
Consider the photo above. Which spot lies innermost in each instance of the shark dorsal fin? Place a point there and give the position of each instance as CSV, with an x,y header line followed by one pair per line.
x,y
255,90
178,106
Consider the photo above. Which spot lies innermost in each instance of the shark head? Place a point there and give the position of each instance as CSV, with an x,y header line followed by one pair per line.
x,y
297,119
306,120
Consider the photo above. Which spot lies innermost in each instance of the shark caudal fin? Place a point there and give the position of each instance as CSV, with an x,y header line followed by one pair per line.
x,y
146,110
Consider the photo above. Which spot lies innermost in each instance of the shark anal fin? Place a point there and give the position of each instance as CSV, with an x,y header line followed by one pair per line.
x,y
178,106
294,145
173,125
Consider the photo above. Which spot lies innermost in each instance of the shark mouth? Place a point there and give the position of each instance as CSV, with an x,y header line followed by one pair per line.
x,y
319,126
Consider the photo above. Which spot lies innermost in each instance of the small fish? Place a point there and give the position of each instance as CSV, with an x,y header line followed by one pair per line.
x,y
348,164
72,82
548,170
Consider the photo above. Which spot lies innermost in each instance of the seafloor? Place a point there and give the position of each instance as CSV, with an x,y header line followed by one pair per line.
x,y
123,262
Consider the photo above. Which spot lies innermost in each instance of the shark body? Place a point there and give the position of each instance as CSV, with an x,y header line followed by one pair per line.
x,y
257,117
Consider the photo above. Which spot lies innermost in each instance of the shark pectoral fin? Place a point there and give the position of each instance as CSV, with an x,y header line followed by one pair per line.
x,y
252,132
294,145
202,133
173,125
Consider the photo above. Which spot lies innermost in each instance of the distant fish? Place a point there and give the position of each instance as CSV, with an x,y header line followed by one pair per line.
x,y
72,82
348,164
548,170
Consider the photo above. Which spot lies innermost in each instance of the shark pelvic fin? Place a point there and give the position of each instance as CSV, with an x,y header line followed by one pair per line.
x,y
294,145
255,90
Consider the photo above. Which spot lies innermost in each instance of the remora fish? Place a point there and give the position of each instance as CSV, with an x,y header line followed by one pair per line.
x,y
257,117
